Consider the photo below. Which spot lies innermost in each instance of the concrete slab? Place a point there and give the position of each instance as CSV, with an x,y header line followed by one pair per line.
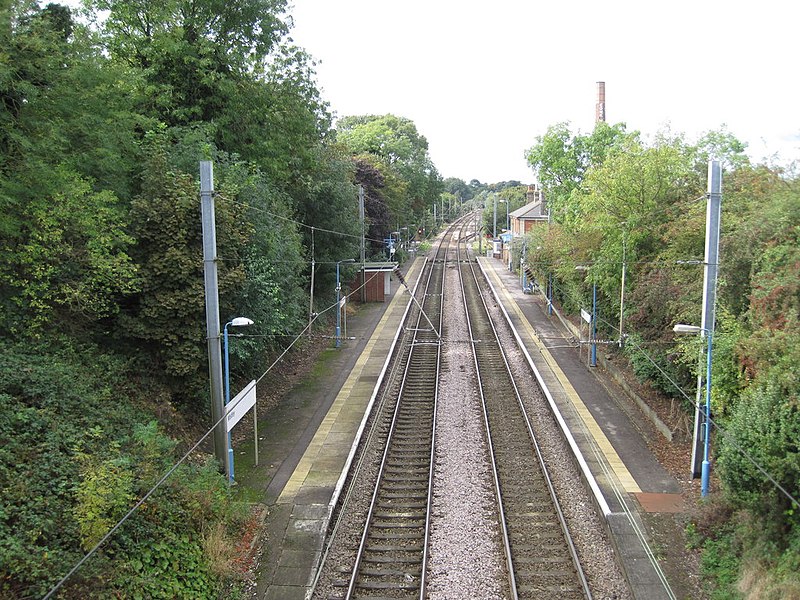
x,y
664,503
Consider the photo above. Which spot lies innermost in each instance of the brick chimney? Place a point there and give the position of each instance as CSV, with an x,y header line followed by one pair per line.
x,y
530,195
600,108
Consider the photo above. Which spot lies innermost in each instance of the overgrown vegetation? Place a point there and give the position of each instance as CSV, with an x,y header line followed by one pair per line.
x,y
104,117
616,199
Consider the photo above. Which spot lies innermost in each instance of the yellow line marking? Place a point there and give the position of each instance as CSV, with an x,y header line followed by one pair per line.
x,y
315,447
614,460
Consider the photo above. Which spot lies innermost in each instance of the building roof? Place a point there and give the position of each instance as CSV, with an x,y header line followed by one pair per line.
x,y
380,266
532,210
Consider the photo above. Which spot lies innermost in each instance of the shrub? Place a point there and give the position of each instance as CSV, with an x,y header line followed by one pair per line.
x,y
77,454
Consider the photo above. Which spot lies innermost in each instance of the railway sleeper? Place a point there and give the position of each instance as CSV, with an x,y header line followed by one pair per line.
x,y
387,495
385,572
415,562
400,523
381,585
536,589
399,511
408,535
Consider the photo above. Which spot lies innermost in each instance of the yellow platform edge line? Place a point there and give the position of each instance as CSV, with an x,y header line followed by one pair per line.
x,y
614,460
300,473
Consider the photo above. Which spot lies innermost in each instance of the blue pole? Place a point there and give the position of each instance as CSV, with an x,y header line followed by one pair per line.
x,y
338,308
594,325
706,467
549,293
228,396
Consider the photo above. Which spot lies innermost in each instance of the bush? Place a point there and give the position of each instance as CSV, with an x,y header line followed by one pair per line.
x,y
77,454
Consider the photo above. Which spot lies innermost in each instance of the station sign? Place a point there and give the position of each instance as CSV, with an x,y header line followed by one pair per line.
x,y
238,407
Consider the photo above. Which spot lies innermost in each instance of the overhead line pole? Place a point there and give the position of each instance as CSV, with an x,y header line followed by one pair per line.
x,y
711,264
363,241
212,311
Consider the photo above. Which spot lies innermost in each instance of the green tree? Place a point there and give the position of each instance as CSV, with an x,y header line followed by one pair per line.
x,y
168,313
191,53
560,160
396,141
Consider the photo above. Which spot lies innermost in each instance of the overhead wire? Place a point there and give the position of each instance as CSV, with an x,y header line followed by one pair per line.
x,y
728,436
300,223
232,405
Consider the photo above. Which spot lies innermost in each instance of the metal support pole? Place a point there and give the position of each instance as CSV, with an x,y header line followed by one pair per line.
x,y
593,361
311,299
363,241
622,294
706,467
338,309
549,293
228,397
338,302
711,263
361,216
212,309
494,220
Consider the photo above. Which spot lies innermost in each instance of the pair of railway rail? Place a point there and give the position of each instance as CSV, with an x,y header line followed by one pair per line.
x,y
392,554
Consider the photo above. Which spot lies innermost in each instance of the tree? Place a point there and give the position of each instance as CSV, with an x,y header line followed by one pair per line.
x,y
376,209
459,188
396,141
192,53
560,159
168,313
64,245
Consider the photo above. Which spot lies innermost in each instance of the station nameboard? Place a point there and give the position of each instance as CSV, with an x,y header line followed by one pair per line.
x,y
238,407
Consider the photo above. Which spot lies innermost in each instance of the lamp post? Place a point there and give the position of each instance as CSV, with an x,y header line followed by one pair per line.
x,y
494,220
237,322
706,467
338,307
593,346
505,201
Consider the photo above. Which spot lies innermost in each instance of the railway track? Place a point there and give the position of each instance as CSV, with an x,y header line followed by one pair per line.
x,y
392,556
541,557
389,557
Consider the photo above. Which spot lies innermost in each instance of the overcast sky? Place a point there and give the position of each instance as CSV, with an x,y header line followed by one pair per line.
x,y
482,79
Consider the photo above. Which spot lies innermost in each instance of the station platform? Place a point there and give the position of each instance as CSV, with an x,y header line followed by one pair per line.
x,y
625,477
312,435
310,441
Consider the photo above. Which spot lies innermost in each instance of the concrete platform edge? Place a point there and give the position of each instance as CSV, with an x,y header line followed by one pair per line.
x,y
340,484
631,549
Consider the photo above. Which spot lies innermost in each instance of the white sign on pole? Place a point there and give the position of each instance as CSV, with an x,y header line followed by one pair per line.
x,y
236,408
586,316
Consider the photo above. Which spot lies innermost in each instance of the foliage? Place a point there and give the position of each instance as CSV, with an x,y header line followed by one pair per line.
x,y
376,210
74,462
191,54
618,200
71,263
767,424
403,150
169,309
560,159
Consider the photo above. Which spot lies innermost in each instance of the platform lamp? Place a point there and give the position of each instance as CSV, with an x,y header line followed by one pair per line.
x,y
338,301
237,322
706,468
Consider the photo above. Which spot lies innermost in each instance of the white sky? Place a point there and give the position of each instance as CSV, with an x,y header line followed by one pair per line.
x,y
482,80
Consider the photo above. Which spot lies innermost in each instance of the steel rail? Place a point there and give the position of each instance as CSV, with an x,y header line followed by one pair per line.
x,y
543,576
396,531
